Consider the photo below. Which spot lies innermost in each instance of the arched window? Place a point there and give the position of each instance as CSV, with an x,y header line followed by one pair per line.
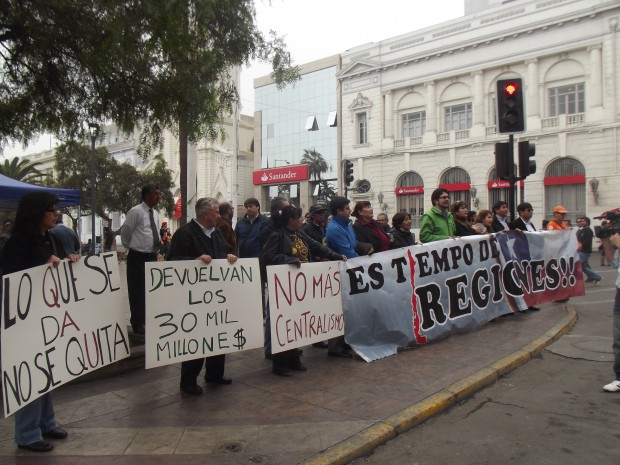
x,y
458,183
565,184
410,196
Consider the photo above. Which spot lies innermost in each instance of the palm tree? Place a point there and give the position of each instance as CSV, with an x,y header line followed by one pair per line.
x,y
22,170
316,163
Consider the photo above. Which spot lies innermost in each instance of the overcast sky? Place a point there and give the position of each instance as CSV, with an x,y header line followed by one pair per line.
x,y
320,28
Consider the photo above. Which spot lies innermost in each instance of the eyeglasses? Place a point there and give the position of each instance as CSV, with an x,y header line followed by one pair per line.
x,y
444,197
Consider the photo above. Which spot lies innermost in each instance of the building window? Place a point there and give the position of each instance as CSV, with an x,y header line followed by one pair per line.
x,y
362,128
457,181
565,185
414,124
458,117
567,100
411,203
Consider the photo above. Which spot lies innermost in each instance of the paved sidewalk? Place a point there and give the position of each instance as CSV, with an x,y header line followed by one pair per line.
x,y
338,410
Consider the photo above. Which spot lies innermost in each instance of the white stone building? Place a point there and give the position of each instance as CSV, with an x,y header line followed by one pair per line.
x,y
214,161
418,110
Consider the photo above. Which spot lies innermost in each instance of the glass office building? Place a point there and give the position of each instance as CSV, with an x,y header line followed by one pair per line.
x,y
298,117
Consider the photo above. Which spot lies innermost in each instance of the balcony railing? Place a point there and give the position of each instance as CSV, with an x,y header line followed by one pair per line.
x,y
415,141
550,122
576,119
463,134
443,138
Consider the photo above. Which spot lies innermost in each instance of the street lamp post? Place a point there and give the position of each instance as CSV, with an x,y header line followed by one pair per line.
x,y
94,129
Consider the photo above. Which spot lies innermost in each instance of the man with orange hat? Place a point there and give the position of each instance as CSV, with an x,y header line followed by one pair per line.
x,y
558,222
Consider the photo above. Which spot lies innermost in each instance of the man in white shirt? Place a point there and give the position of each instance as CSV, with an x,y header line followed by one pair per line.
x,y
500,216
140,235
523,223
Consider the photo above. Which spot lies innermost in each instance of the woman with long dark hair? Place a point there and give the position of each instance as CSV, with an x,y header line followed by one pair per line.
x,y
32,245
367,229
289,244
460,213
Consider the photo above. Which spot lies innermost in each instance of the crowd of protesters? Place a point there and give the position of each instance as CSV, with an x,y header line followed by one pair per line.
x,y
328,234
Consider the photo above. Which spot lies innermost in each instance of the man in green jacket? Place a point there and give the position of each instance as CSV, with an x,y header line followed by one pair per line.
x,y
438,224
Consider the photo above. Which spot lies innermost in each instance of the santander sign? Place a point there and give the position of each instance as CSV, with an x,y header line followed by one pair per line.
x,y
281,175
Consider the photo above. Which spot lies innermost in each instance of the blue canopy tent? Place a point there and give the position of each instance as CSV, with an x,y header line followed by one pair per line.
x,y
12,190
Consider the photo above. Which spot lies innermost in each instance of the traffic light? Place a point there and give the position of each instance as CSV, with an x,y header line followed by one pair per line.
x,y
348,172
504,165
510,108
527,150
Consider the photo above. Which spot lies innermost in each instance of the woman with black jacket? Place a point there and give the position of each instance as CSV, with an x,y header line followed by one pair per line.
x,y
32,245
288,244
402,235
367,229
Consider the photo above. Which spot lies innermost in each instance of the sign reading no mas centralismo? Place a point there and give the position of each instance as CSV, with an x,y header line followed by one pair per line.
x,y
59,323
304,304
197,310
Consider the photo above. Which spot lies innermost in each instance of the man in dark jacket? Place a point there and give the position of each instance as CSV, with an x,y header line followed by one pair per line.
x,y
315,227
500,216
201,240
523,223
248,230
585,236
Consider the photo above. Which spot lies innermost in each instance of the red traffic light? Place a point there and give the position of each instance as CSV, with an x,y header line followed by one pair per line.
x,y
510,88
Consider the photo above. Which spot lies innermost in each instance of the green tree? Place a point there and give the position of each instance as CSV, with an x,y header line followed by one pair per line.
x,y
22,170
155,64
114,183
316,163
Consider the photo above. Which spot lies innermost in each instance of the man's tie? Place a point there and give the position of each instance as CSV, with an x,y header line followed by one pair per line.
x,y
154,230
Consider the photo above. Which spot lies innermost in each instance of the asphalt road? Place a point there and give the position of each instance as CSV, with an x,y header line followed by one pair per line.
x,y
550,411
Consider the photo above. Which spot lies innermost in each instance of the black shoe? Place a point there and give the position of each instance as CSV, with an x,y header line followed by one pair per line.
x,y
194,390
39,446
341,354
222,380
533,309
282,372
56,433
300,367
320,345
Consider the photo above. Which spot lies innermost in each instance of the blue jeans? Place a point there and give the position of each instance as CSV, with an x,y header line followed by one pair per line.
x,y
585,266
33,420
616,321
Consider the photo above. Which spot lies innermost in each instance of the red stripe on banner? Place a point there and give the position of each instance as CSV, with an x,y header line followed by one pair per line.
x,y
414,302
464,186
558,180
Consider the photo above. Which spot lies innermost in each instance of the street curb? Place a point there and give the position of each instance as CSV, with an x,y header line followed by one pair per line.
x,y
364,442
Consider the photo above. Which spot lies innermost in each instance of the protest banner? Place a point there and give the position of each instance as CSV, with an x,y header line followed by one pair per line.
x,y
59,323
197,310
305,304
411,296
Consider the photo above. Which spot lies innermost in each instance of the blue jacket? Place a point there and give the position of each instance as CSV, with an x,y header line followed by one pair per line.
x,y
248,236
341,237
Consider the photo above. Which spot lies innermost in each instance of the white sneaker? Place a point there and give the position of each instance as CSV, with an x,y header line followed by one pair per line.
x,y
614,386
